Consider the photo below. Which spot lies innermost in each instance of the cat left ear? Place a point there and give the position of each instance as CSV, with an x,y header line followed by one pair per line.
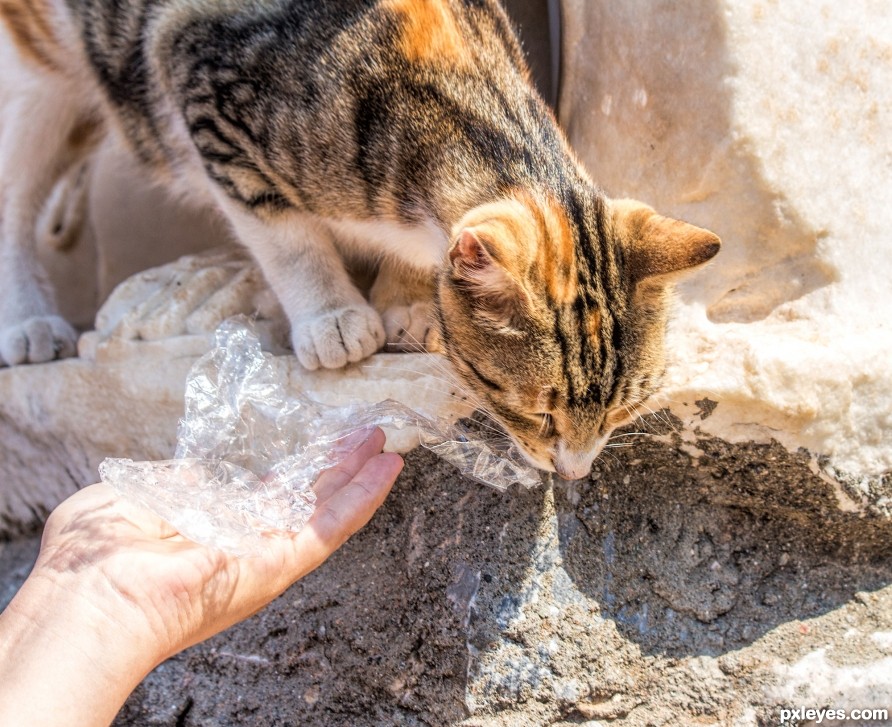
x,y
476,268
660,247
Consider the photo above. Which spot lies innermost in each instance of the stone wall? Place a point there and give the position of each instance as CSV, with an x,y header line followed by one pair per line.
x,y
767,123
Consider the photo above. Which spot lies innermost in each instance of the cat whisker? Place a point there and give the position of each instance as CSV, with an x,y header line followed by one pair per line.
x,y
404,348
546,424
494,428
414,346
660,398
634,414
482,408
434,389
661,417
461,393
664,402
418,347
449,376
489,417
406,369
444,369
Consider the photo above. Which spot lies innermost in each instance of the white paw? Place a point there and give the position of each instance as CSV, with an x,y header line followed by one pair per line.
x,y
412,328
334,339
36,340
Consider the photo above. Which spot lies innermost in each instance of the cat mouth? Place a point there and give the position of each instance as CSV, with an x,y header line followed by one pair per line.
x,y
550,465
573,475
536,461
567,463
573,464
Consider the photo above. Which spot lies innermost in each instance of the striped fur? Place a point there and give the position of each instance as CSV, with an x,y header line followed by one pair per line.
x,y
404,134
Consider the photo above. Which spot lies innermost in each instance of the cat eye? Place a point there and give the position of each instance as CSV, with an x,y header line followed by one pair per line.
x,y
546,425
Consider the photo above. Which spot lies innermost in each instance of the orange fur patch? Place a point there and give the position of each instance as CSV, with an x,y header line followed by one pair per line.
x,y
593,325
430,31
556,255
30,28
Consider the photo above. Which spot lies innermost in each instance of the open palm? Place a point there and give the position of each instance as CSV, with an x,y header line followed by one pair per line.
x,y
171,592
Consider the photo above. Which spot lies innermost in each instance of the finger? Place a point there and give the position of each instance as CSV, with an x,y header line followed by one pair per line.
x,y
365,444
95,499
348,509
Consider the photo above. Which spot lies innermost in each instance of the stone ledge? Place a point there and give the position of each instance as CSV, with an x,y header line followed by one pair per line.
x,y
58,421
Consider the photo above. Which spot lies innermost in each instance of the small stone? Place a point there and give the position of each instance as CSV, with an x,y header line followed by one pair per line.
x,y
311,696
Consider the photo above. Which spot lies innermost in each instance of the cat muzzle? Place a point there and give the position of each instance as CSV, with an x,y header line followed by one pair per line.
x,y
574,465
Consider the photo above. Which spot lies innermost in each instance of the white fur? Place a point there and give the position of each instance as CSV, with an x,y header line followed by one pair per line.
x,y
36,120
421,246
574,464
331,322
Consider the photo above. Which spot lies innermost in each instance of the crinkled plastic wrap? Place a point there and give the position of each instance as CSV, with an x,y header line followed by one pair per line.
x,y
249,451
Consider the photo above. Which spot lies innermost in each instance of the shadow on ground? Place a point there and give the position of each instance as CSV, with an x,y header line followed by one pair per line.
x,y
700,556
461,604
376,636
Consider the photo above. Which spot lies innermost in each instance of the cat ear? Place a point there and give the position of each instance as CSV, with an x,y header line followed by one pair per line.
x,y
477,269
660,247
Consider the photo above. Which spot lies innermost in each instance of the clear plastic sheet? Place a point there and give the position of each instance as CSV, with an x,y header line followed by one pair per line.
x,y
249,450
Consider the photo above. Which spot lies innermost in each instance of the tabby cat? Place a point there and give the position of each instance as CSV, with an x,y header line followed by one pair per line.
x,y
404,134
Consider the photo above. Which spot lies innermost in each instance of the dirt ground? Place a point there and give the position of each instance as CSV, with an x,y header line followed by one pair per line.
x,y
664,590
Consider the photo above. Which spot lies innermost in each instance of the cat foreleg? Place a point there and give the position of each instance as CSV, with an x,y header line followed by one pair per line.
x,y
42,137
331,322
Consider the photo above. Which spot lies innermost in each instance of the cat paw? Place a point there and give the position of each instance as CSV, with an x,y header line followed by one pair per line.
x,y
338,337
37,340
412,328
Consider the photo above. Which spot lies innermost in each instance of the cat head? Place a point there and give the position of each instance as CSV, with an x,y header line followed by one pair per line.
x,y
554,316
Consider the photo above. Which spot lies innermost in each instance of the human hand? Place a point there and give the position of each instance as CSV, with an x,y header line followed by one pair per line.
x,y
131,591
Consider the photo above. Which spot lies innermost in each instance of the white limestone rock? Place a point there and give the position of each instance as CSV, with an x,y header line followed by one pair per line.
x,y
58,421
815,680
192,295
769,124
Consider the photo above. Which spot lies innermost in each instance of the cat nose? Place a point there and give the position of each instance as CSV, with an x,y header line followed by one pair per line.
x,y
571,473
574,464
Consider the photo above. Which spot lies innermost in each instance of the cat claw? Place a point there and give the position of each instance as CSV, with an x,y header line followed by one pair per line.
x,y
36,340
338,337
412,328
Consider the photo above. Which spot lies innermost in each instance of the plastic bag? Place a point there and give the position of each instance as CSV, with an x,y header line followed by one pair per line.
x,y
249,450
